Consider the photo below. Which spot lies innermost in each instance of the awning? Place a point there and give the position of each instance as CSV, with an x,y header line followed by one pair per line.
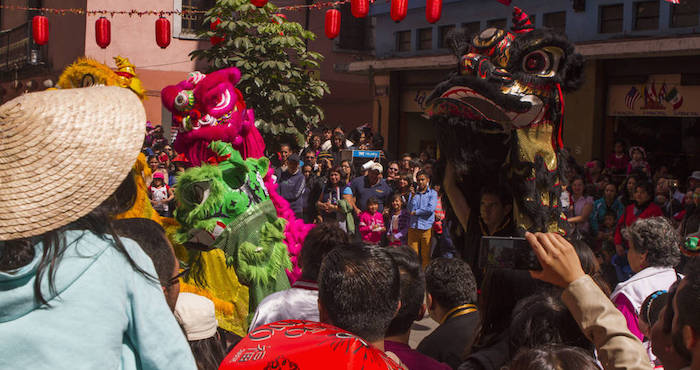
x,y
611,49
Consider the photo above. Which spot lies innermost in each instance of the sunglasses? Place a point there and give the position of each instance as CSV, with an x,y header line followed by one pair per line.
x,y
393,169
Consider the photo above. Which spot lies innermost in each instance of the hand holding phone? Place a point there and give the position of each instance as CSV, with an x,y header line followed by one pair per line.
x,y
560,263
507,252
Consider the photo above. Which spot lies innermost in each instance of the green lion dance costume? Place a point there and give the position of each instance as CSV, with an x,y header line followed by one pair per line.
x,y
227,206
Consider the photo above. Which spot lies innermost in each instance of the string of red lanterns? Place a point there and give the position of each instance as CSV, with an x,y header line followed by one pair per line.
x,y
142,13
359,9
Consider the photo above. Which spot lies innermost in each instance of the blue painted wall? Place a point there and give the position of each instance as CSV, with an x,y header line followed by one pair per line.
x,y
580,26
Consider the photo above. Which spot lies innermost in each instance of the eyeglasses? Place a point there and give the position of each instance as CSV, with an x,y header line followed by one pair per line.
x,y
393,169
309,157
174,280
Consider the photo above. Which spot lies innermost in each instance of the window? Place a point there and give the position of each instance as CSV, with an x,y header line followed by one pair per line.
x,y
444,31
646,15
611,18
555,21
498,23
425,39
403,41
685,14
354,32
192,23
472,28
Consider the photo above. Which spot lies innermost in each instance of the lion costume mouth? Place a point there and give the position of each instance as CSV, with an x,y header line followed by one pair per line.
x,y
471,104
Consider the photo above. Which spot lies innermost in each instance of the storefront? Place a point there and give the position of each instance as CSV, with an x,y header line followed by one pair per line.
x,y
662,115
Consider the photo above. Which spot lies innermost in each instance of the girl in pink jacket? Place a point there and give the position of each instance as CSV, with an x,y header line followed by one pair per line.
x,y
372,223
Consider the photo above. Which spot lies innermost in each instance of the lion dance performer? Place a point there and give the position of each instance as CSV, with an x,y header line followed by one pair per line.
x,y
227,200
223,287
500,118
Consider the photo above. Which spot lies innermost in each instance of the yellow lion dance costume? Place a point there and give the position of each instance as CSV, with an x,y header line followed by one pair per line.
x,y
229,296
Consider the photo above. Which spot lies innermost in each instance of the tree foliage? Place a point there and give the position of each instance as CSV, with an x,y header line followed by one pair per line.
x,y
275,66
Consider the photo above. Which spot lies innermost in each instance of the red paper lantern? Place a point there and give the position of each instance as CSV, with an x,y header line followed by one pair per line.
x,y
433,10
163,32
103,32
258,3
40,29
332,23
215,40
359,8
398,10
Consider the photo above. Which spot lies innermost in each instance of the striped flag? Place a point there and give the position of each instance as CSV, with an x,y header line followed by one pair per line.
x,y
674,1
632,97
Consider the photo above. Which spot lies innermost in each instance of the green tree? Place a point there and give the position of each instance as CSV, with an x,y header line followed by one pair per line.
x,y
275,67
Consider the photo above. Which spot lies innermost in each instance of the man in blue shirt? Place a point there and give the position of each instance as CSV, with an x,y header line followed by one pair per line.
x,y
421,205
365,187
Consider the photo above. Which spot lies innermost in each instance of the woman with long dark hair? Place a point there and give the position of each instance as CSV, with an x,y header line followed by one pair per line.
x,y
72,293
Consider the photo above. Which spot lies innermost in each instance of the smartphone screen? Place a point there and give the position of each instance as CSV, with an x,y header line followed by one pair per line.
x,y
508,253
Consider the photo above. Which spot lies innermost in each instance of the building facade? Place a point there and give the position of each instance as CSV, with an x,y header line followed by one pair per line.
x,y
642,72
25,66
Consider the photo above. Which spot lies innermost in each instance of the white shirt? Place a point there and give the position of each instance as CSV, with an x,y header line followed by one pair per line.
x,y
328,144
300,302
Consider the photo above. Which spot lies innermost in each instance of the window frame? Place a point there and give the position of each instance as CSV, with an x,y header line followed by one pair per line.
x,y
177,30
636,6
442,34
549,16
398,42
464,26
621,19
671,15
419,33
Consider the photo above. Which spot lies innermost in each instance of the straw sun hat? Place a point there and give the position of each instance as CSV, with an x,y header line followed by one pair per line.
x,y
62,153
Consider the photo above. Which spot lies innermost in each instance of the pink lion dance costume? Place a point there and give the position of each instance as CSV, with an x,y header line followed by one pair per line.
x,y
208,108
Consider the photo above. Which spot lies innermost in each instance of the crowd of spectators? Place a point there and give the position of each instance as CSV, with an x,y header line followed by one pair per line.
x,y
616,293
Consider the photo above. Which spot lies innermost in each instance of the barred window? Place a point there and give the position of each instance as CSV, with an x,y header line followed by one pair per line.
x,y
192,23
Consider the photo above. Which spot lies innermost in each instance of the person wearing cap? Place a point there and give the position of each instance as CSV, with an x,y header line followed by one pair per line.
x,y
421,206
368,186
197,317
160,194
73,294
292,185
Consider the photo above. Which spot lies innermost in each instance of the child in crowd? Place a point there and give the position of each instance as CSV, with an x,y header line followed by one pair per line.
x,y
396,218
618,160
648,315
638,161
160,194
606,231
372,222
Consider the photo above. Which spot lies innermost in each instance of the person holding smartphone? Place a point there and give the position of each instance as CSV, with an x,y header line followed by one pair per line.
x,y
421,206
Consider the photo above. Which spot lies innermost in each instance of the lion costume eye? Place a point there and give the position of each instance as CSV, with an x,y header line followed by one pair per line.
x,y
543,62
200,192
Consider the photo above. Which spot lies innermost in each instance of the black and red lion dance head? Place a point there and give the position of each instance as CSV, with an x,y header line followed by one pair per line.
x,y
500,118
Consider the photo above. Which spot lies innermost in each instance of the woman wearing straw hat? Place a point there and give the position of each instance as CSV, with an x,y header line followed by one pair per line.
x,y
72,294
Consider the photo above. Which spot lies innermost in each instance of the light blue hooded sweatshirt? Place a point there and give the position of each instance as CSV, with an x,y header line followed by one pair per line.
x,y
105,314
